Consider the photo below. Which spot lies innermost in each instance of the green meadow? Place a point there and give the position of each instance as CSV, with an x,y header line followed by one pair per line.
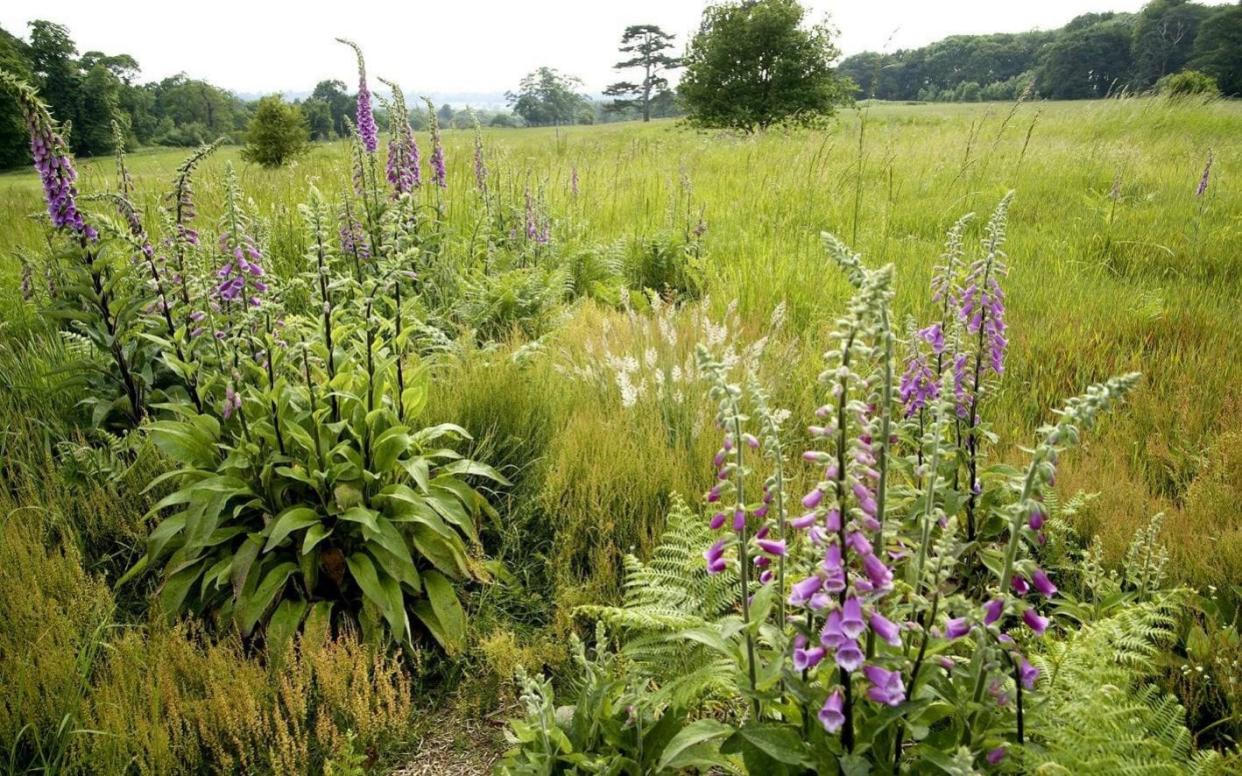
x,y
1116,264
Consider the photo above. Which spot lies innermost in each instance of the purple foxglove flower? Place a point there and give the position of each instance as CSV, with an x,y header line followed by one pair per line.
x,y
858,543
956,628
831,635
885,629
717,521
831,716
852,624
996,755
762,561
715,551
713,495
877,572
232,402
766,577
1027,674
1019,585
761,512
812,499
849,656
945,662
960,402
762,533
750,441
1037,518
739,519
719,460
815,456
802,591
773,547
832,520
918,385
1202,188
933,335
804,659
805,521
1034,621
368,132
821,600
886,686
1042,584
993,610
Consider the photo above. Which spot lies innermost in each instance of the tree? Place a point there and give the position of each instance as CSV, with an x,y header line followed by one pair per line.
x,y
755,63
1218,49
14,138
1164,38
647,43
1089,62
276,134
1188,83
547,97
318,118
53,60
340,104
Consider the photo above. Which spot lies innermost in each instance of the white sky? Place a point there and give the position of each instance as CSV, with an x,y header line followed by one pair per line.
x,y
466,45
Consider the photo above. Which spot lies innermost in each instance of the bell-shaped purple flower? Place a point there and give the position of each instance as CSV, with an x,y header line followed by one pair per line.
x,y
806,658
1027,674
1034,621
831,715
852,624
879,574
956,627
885,629
773,547
714,556
849,655
1042,584
802,591
886,686
993,610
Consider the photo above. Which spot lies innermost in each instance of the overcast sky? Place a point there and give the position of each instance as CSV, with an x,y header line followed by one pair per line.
x,y
465,45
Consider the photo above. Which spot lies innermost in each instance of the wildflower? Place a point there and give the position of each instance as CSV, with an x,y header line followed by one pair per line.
x,y
802,591
933,335
353,240
805,521
879,574
993,610
849,656
480,165
918,384
1034,621
812,499
1019,585
714,556
717,521
573,180
403,167
438,173
1201,189
807,658
956,628
885,629
886,686
54,165
1027,674
1042,584
367,130
831,716
1036,521
771,547
232,402
852,624
996,755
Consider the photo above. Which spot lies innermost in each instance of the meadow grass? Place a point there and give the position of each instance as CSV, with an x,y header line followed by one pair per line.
x,y
1116,265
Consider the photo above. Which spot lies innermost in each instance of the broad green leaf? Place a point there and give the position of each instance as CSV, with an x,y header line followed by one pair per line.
x,y
284,624
288,521
314,535
681,746
363,516
448,611
252,604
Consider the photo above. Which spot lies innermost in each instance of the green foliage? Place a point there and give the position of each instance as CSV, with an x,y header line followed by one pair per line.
x,y
277,133
1187,83
1093,61
647,43
755,64
1164,38
547,97
1218,48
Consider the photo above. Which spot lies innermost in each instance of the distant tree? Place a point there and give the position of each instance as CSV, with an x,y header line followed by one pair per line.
x,y
753,64
647,43
339,103
547,97
1088,62
276,134
53,58
445,115
1218,49
318,118
14,139
1164,37
99,104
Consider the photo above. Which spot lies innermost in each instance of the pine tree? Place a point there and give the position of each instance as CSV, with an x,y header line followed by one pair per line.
x,y
647,43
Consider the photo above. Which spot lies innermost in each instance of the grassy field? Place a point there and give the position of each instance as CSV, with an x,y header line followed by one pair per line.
x,y
1116,265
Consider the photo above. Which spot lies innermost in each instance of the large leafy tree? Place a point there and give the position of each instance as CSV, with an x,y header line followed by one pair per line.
x,y
276,134
339,103
547,96
14,138
1088,62
755,63
647,44
1218,49
1164,37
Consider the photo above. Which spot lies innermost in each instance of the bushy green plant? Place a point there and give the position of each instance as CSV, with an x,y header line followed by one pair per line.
x,y
277,133
1187,83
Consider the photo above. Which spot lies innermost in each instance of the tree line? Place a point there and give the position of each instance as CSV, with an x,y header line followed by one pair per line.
x,y
1094,55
